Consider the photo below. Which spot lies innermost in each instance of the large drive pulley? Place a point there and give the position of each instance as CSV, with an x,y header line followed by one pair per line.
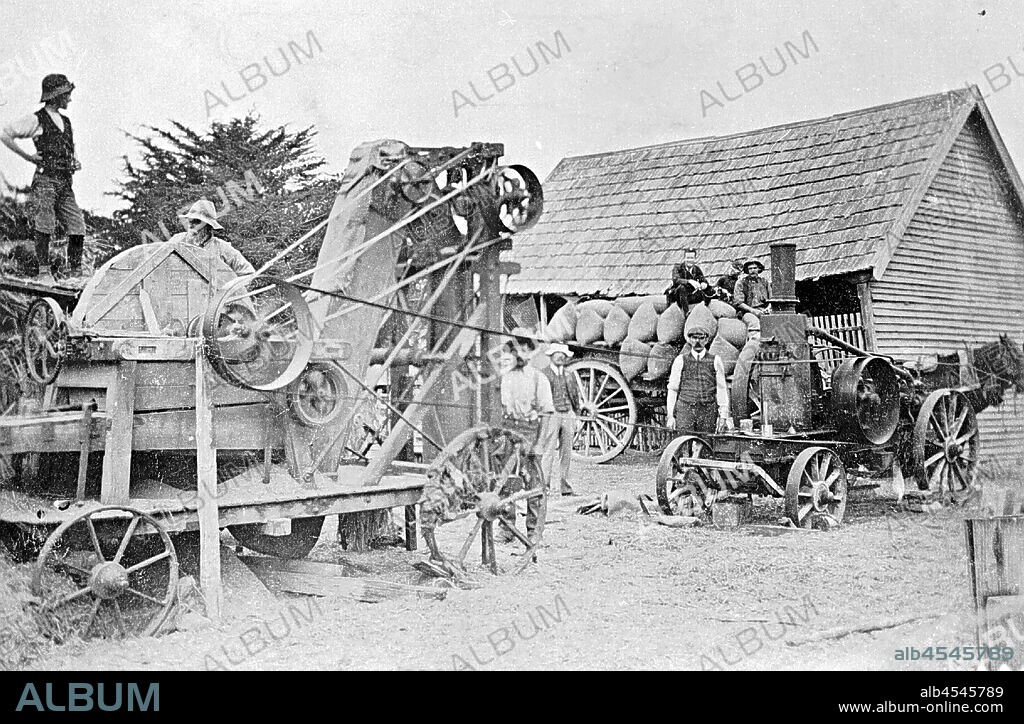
x,y
513,201
259,333
866,399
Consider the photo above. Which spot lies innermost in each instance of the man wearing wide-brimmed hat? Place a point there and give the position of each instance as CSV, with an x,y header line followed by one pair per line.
x,y
751,293
55,161
565,396
200,221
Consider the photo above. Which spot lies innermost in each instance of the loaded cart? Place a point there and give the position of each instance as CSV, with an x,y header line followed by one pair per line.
x,y
802,442
181,399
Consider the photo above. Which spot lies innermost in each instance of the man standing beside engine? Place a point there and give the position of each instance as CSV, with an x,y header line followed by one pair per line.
x,y
698,397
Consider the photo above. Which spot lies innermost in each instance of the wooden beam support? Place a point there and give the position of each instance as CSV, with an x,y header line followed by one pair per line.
x,y
117,455
867,315
207,506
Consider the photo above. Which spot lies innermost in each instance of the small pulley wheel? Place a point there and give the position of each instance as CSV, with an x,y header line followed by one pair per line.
x,y
318,396
416,186
259,333
44,340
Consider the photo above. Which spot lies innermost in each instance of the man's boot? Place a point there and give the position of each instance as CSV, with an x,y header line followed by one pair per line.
x,y
42,253
76,244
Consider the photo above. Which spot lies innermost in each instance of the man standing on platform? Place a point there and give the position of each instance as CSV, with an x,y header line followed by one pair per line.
x,y
55,161
565,397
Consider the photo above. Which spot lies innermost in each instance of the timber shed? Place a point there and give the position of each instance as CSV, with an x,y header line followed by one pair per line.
x,y
908,219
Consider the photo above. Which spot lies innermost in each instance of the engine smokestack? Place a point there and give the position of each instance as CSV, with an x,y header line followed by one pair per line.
x,y
784,277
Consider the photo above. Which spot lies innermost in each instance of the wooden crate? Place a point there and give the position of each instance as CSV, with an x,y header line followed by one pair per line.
x,y
995,559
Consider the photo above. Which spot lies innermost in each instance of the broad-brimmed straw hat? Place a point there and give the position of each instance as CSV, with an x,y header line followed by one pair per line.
x,y
204,211
556,347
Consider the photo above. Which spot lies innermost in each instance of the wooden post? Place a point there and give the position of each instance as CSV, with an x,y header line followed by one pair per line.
x,y
410,527
490,297
117,453
867,317
206,481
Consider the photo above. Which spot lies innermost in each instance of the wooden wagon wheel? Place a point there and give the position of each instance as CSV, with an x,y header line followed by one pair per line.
x,y
815,487
608,412
97,562
684,491
946,445
484,472
44,340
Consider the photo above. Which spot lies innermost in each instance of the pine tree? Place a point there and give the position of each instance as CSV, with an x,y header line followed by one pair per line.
x,y
266,184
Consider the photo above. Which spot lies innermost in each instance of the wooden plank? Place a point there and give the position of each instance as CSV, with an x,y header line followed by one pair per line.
x,y
134,277
206,468
326,579
234,428
117,455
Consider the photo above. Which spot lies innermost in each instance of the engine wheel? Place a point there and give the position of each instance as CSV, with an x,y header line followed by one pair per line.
x,y
684,490
816,486
946,446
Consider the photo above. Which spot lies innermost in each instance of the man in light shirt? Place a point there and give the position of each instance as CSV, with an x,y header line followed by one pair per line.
x,y
55,161
529,410
698,397
200,221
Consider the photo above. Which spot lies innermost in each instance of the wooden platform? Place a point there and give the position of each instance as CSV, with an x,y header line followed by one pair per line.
x,y
243,499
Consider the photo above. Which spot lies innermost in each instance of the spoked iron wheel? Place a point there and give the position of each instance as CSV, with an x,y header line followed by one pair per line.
x,y
816,487
105,573
946,444
608,412
684,490
44,340
483,472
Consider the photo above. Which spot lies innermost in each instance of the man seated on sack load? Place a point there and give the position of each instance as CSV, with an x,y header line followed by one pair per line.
x,y
200,221
688,283
727,282
698,396
529,410
752,292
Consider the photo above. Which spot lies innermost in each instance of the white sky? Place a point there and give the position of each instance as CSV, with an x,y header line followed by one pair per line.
x,y
633,75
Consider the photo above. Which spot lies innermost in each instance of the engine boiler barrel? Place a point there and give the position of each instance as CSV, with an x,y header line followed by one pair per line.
x,y
784,276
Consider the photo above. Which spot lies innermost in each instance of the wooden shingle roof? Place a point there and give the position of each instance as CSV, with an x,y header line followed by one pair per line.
x,y
841,187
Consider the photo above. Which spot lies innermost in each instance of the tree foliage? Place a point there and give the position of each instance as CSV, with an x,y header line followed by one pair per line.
x,y
266,184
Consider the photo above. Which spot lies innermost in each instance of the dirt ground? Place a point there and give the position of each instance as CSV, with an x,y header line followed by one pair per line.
x,y
613,593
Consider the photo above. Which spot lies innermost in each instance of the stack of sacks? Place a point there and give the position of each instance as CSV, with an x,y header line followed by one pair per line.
x,y
670,325
643,325
590,320
562,327
659,363
633,356
616,326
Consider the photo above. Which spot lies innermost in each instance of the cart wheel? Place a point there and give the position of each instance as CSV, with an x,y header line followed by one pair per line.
x,y
100,573
44,340
608,412
946,443
684,491
297,544
816,486
484,472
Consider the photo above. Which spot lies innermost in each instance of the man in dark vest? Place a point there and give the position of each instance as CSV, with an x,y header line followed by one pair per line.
x,y
565,396
55,162
698,398
727,282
